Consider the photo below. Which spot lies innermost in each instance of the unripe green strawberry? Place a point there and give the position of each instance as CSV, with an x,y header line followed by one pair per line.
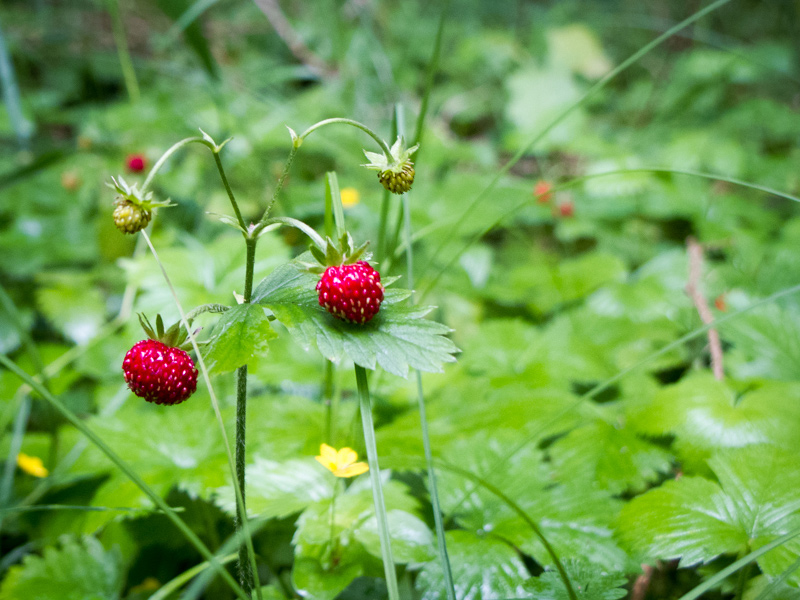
x,y
398,182
395,169
130,217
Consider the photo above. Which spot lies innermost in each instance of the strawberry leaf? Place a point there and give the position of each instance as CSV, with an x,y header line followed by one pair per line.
x,y
590,582
76,570
696,520
242,333
397,338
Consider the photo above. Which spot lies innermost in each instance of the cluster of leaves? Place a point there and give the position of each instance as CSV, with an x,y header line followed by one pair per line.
x,y
666,466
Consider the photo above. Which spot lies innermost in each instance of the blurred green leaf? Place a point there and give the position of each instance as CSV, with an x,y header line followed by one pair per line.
x,y
77,569
590,582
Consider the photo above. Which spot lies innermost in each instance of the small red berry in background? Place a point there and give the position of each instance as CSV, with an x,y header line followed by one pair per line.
x,y
352,293
720,303
542,191
136,163
565,209
159,373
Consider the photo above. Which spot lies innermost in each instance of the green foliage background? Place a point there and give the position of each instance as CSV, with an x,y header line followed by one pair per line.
x,y
665,466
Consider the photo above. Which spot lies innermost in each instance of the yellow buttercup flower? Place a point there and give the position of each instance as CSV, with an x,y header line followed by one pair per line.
x,y
341,463
350,197
32,465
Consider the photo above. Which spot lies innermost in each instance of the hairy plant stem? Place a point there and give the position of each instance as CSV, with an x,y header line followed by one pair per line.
x,y
357,125
279,186
244,566
375,479
228,189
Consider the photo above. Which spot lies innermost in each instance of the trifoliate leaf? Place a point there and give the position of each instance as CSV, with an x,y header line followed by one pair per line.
x,y
75,570
241,334
589,581
614,459
483,569
696,520
397,338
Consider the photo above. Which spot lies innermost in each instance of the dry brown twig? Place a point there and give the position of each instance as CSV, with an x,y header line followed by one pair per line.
x,y
695,251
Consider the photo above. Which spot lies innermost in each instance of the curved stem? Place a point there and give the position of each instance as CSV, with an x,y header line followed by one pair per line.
x,y
229,190
356,124
375,478
315,237
175,147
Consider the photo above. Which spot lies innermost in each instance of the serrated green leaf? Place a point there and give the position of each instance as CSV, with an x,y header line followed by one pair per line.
x,y
397,338
75,570
484,568
705,415
242,333
313,580
696,520
614,459
589,581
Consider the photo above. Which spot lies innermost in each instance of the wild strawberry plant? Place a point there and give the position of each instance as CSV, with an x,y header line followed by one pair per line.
x,y
573,215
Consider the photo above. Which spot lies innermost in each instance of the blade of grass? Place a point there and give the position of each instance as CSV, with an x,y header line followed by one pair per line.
x,y
121,42
23,129
433,67
127,470
175,584
766,594
600,84
17,434
375,478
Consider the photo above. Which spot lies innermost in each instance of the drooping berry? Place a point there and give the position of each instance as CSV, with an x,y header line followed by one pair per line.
x,y
130,217
398,182
136,163
159,373
352,293
542,191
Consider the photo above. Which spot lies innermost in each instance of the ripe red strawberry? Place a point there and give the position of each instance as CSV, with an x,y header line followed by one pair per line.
x,y
542,191
136,163
352,293
159,373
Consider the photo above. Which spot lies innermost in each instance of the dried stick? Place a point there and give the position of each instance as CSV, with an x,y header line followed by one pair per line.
x,y
695,251
642,583
291,38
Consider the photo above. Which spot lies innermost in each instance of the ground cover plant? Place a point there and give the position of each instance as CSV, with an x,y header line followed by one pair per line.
x,y
408,300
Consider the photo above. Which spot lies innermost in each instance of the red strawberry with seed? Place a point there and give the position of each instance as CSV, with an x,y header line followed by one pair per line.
x,y
136,163
352,292
159,373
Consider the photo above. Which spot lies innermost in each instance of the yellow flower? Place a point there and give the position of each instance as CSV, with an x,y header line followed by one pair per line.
x,y
341,463
350,197
32,465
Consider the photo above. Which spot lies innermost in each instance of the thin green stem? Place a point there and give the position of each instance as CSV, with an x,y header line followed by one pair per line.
x,y
315,237
623,66
327,399
121,41
228,189
279,186
333,196
356,124
128,471
23,128
383,224
175,584
375,478
767,592
238,490
172,150
17,435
